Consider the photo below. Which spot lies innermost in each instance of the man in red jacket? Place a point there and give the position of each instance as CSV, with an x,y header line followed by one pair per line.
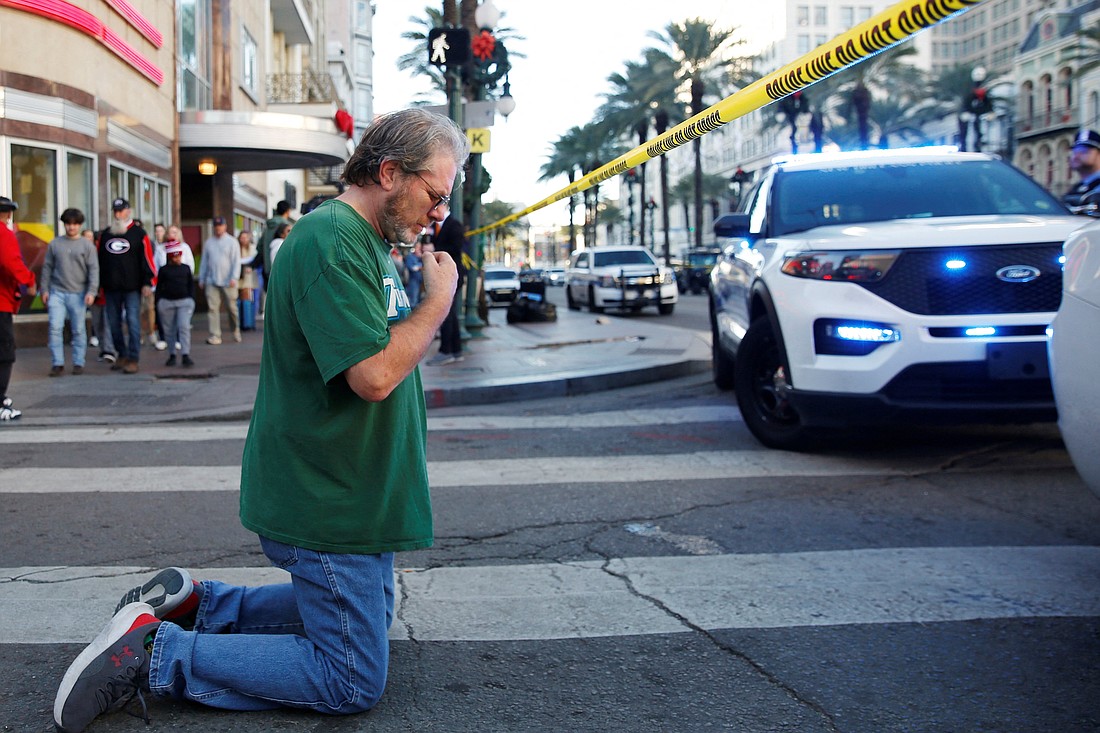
x,y
14,279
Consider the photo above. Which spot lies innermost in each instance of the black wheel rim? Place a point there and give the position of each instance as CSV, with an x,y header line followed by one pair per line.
x,y
770,387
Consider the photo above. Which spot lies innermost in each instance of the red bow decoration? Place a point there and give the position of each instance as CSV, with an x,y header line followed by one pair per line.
x,y
345,123
483,46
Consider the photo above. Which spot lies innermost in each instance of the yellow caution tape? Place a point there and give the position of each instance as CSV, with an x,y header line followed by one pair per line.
x,y
879,32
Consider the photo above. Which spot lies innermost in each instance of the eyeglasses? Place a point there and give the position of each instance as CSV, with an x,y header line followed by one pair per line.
x,y
438,199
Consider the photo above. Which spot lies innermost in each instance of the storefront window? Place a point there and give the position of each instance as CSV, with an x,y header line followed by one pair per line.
x,y
80,186
34,189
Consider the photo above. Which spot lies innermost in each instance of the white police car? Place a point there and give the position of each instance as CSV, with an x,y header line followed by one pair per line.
x,y
620,277
883,286
1076,332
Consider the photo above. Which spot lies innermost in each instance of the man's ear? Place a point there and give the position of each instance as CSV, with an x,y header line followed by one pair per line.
x,y
388,172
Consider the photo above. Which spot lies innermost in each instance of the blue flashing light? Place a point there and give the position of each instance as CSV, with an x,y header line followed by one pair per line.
x,y
955,264
1062,260
866,332
981,331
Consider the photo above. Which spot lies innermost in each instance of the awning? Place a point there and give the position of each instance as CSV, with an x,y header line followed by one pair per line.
x,y
258,141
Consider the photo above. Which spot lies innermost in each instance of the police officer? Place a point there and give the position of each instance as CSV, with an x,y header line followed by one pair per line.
x,y
1084,158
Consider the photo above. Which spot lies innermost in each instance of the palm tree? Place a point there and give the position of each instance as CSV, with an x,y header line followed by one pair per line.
x,y
701,53
416,60
566,158
858,84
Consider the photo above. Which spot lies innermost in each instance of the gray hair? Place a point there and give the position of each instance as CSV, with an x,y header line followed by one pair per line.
x,y
409,137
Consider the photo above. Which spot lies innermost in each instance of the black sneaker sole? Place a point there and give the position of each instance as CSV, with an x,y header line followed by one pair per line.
x,y
165,591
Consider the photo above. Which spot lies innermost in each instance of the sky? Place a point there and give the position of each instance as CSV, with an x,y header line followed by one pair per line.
x,y
571,47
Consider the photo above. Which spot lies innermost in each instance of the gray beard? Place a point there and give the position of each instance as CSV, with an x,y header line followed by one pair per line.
x,y
119,227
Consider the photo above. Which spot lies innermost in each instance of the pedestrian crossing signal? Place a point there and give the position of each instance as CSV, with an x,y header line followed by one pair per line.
x,y
448,46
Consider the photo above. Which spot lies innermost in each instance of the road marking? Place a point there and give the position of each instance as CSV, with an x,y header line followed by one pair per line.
x,y
492,472
238,431
634,596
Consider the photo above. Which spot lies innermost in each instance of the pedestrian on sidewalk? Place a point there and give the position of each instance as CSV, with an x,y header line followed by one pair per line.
x,y
281,233
413,266
126,272
219,273
15,280
247,300
176,302
70,281
449,236
334,475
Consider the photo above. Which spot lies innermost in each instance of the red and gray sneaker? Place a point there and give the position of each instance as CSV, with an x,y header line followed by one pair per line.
x,y
172,595
110,670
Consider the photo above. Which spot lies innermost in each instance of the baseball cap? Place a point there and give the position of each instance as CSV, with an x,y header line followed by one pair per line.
x,y
174,247
119,204
1088,138
7,204
219,221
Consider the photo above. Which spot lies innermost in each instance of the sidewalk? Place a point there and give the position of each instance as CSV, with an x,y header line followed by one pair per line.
x,y
579,353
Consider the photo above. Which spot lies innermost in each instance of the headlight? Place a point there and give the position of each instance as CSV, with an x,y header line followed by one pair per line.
x,y
843,266
667,278
608,281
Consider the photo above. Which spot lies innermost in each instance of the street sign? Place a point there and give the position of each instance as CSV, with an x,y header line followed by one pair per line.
x,y
479,139
448,46
474,114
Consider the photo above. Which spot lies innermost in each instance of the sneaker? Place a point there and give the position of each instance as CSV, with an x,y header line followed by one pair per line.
x,y
78,370
187,361
440,359
178,346
93,341
131,367
161,345
57,371
214,340
171,361
7,412
172,595
458,357
110,670
108,357
237,336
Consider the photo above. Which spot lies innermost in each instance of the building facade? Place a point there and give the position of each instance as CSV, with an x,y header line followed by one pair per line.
x,y
189,109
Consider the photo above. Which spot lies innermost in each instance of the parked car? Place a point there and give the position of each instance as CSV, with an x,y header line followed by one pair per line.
x,y
883,286
693,272
532,275
501,284
1073,343
619,277
556,276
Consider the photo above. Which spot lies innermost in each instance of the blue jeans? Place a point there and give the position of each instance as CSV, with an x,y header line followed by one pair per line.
x,y
319,642
128,344
64,305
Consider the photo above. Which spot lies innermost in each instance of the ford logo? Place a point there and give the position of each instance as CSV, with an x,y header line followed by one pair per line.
x,y
1018,273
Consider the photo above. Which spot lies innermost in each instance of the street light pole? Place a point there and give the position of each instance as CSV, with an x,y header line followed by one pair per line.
x,y
489,65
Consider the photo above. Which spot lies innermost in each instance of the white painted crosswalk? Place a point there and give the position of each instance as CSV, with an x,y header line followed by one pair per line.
x,y
704,589
635,596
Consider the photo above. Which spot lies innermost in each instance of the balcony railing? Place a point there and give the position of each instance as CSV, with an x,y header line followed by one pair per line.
x,y
305,88
1046,120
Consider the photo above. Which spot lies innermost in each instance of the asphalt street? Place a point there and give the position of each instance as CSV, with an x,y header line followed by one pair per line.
x,y
625,560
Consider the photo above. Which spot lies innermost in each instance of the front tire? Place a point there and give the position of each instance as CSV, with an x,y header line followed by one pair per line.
x,y
721,363
573,305
592,301
761,381
665,309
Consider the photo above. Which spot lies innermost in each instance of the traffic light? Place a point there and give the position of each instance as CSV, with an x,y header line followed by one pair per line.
x,y
448,46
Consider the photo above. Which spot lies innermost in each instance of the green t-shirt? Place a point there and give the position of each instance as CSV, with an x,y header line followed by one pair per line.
x,y
322,468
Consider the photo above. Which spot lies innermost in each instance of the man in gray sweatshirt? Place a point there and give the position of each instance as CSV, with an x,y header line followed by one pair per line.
x,y
70,279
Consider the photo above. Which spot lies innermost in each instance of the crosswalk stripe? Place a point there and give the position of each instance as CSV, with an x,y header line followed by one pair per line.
x,y
15,435
488,472
641,595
